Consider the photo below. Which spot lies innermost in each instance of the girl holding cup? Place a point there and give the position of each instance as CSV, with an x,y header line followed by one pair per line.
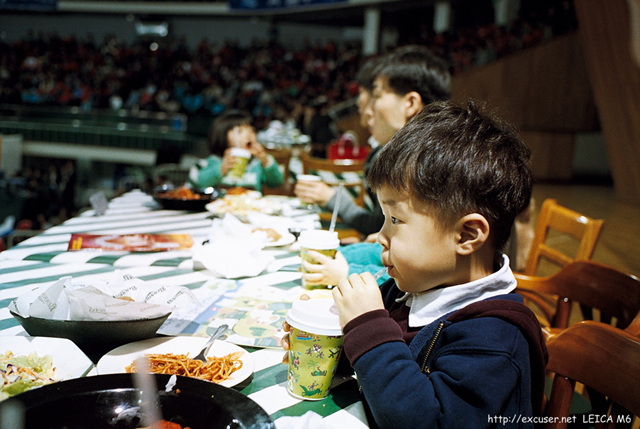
x,y
237,159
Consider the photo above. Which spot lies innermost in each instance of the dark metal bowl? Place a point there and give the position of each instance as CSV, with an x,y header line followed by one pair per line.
x,y
93,337
206,196
112,402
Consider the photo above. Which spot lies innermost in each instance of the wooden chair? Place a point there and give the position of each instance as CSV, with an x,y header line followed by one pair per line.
x,y
338,168
557,230
283,158
634,326
554,219
603,358
614,293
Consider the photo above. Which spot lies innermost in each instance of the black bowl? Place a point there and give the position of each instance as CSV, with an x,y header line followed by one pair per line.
x,y
188,204
112,402
93,337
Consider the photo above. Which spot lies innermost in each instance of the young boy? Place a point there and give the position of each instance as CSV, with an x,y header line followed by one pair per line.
x,y
445,343
397,85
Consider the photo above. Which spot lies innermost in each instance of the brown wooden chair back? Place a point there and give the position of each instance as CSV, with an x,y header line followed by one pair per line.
x,y
634,326
283,158
554,218
614,293
338,167
603,358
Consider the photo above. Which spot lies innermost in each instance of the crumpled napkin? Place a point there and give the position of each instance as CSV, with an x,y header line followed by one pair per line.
x,y
232,250
308,420
118,297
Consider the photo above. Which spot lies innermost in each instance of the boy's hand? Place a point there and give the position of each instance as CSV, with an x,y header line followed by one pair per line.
x,y
357,295
285,341
326,270
287,328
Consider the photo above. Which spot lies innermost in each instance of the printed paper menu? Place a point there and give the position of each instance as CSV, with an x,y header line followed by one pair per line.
x,y
131,242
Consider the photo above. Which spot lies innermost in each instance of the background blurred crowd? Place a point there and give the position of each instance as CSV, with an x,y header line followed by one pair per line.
x,y
43,196
265,78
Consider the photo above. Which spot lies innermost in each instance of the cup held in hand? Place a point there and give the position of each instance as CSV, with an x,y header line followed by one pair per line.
x,y
242,157
321,241
315,343
308,178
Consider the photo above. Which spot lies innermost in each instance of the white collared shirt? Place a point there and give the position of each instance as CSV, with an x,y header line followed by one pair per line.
x,y
425,307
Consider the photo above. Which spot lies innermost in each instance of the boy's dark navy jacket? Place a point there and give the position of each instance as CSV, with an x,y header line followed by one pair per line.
x,y
481,366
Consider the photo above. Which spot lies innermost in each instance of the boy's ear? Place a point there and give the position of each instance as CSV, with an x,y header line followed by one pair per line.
x,y
472,233
414,104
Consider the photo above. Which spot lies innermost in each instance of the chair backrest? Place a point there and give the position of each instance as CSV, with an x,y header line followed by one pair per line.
x,y
614,293
603,358
347,171
283,158
634,326
554,219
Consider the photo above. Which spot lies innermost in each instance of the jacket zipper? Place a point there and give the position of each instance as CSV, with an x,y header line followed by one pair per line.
x,y
424,367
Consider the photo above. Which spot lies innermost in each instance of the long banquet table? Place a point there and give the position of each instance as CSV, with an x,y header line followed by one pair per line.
x,y
44,259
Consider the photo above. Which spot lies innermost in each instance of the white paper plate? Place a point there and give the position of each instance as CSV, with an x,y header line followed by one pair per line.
x,y
119,358
285,238
69,361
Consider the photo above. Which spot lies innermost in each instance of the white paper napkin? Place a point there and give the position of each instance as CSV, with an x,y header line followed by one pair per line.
x,y
233,249
116,297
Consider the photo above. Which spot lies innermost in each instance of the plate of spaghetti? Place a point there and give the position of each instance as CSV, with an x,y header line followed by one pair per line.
x,y
227,364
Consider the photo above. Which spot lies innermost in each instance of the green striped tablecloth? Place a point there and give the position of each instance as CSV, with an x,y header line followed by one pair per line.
x,y
43,259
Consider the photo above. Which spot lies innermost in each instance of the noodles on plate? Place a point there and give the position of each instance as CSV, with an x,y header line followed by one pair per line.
x,y
215,369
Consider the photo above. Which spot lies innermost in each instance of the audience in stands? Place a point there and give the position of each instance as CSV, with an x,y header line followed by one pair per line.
x,y
265,79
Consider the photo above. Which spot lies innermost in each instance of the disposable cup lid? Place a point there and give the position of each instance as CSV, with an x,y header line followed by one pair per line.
x,y
316,316
319,239
240,152
308,178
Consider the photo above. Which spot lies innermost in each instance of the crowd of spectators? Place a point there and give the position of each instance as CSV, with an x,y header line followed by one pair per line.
x,y
471,46
264,79
267,79
41,196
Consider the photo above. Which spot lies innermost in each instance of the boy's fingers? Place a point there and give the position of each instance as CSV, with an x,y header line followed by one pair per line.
x,y
313,278
337,294
356,281
319,257
312,268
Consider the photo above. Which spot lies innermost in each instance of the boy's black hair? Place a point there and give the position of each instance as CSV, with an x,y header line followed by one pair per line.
x,y
367,73
220,127
459,161
416,68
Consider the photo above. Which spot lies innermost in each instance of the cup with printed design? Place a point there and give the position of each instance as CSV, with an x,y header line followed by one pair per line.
x,y
315,345
322,241
242,157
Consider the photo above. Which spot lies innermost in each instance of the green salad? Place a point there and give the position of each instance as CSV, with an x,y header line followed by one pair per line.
x,y
20,373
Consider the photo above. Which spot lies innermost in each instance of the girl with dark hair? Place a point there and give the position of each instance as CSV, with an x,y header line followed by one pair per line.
x,y
229,131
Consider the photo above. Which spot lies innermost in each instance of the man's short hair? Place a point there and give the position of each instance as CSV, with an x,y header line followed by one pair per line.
x,y
459,161
367,73
416,68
